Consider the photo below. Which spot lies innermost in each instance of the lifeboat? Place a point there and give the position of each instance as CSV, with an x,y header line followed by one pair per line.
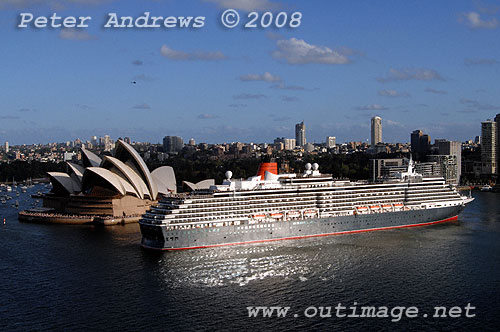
x,y
375,207
293,214
387,207
398,206
309,213
362,209
277,215
259,216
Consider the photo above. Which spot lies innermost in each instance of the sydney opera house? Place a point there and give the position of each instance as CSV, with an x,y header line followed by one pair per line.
x,y
116,189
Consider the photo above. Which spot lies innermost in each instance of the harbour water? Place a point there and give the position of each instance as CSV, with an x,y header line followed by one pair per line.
x,y
72,278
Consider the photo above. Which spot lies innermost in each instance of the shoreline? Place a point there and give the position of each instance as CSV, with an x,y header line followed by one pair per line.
x,y
66,219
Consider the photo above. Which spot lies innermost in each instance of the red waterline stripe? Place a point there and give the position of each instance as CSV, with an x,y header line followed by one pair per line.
x,y
307,236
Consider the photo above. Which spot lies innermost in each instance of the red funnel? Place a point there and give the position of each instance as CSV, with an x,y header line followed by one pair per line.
x,y
270,167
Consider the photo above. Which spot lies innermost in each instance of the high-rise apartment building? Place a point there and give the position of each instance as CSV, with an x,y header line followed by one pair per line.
x,y
376,132
300,134
331,141
172,144
449,167
489,149
288,143
497,121
107,143
451,148
420,144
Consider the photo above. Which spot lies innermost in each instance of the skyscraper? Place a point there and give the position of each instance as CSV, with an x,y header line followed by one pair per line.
x,y
452,148
420,144
415,140
288,143
107,143
6,147
172,144
331,141
376,130
300,134
497,121
489,146
448,165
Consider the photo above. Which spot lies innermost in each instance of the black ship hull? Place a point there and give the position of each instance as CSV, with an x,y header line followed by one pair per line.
x,y
160,238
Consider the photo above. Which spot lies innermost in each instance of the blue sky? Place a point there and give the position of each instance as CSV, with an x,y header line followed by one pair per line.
x,y
430,65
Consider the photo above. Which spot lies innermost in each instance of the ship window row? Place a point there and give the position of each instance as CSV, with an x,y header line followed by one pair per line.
x,y
271,208
437,196
288,191
262,201
241,212
363,202
293,195
243,207
354,199
253,208
423,199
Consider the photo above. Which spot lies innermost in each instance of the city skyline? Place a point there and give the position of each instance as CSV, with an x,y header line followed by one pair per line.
x,y
346,63
374,130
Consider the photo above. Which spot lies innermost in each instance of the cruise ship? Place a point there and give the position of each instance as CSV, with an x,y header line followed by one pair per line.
x,y
272,207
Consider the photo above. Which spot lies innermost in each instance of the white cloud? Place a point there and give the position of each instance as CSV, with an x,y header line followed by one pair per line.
x,y
266,77
297,51
472,104
289,98
372,107
474,21
394,123
75,34
435,91
283,86
480,61
246,5
172,54
143,106
486,8
54,4
406,74
249,96
237,105
393,93
206,116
